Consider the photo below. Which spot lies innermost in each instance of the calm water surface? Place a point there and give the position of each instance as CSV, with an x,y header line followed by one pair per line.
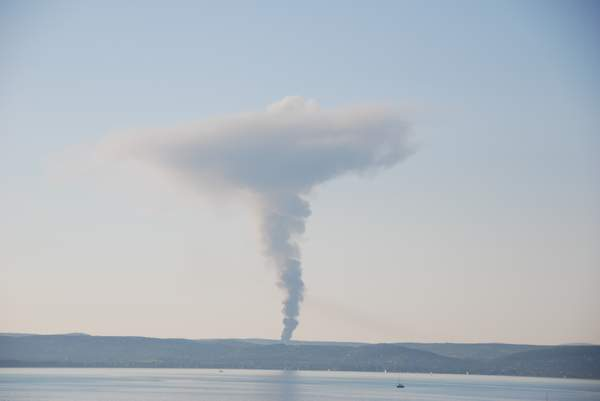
x,y
249,385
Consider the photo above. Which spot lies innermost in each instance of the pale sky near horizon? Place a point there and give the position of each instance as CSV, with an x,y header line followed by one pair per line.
x,y
490,232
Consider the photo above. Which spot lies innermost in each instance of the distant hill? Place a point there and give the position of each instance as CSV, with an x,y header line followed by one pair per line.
x,y
472,351
101,351
581,361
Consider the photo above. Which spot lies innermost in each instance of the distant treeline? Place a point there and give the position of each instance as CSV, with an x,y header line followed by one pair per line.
x,y
580,361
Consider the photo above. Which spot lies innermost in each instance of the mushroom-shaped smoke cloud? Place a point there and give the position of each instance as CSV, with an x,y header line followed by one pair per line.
x,y
279,156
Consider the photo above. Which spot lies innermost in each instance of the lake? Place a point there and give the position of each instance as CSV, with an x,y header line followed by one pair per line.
x,y
262,385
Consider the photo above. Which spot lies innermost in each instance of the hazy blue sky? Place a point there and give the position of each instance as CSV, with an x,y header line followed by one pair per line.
x,y
490,232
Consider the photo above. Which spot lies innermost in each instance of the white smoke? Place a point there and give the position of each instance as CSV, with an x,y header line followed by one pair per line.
x,y
278,155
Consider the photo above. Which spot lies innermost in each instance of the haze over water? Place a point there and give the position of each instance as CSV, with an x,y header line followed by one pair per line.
x,y
255,385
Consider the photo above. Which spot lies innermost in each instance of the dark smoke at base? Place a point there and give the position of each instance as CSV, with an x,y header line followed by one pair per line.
x,y
277,156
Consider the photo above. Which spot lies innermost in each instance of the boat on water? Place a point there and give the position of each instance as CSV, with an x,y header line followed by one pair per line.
x,y
399,385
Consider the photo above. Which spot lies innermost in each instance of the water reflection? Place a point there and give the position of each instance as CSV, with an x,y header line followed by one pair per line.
x,y
287,385
246,385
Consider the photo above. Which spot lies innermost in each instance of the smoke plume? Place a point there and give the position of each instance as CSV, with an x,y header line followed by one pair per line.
x,y
279,156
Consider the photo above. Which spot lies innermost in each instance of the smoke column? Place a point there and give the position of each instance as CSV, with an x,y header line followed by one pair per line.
x,y
283,221
278,156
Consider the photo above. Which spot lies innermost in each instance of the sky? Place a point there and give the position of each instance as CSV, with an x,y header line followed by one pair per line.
x,y
488,232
